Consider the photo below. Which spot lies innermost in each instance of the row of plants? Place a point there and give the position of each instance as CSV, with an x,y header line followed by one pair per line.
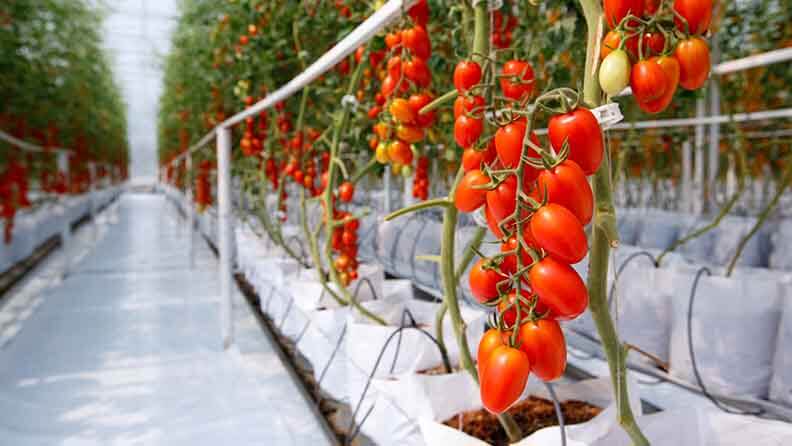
x,y
428,95
58,93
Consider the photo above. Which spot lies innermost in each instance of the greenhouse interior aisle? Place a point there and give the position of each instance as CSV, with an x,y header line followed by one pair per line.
x,y
127,349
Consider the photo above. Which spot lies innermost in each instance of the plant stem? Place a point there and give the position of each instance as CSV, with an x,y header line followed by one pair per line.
x,y
604,235
447,97
419,206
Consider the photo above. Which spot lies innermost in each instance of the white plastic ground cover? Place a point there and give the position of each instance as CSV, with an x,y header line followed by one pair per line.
x,y
781,382
781,255
735,323
595,391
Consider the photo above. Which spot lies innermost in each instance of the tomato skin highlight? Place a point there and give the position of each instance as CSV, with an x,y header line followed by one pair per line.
x,y
559,232
694,62
567,186
698,14
544,344
560,289
468,199
503,378
484,281
583,134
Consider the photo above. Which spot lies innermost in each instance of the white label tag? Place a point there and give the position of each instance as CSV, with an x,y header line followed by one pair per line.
x,y
350,101
608,115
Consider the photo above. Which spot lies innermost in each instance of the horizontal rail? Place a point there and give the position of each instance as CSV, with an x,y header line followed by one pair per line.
x,y
30,147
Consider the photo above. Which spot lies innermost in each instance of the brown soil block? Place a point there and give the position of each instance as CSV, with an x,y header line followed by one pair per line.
x,y
531,415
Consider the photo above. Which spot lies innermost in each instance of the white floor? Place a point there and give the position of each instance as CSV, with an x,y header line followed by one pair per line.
x,y
126,350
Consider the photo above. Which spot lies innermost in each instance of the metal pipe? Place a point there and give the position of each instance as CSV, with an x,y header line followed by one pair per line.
x,y
224,233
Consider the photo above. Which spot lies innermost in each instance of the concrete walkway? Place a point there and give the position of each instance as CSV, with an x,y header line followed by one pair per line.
x,y
127,349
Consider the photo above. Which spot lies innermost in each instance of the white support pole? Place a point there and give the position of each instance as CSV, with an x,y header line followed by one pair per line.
x,y
224,233
387,189
701,109
687,173
714,128
190,215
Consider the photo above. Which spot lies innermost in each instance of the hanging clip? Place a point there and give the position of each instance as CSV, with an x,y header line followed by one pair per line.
x,y
349,101
608,115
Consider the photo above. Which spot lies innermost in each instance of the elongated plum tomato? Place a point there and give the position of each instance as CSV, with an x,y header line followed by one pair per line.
x,y
473,159
560,233
484,281
543,342
648,81
502,200
467,198
399,151
509,143
417,102
401,111
612,41
468,104
507,307
492,339
614,72
670,66
653,42
467,130
417,40
697,13
492,223
466,74
513,88
504,375
616,10
560,289
410,134
580,129
509,263
346,191
567,186
694,62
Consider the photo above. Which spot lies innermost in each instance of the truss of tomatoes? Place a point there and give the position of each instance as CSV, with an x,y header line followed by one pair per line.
x,y
654,46
530,283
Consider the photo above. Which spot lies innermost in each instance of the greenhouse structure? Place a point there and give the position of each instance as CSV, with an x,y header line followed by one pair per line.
x,y
396,222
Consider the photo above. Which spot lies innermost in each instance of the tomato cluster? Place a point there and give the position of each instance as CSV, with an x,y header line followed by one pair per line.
x,y
503,26
203,187
403,93
421,179
639,52
345,238
254,136
13,195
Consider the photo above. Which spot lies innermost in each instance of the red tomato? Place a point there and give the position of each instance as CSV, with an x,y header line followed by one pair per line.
x,y
560,289
417,71
393,39
670,66
503,378
543,342
694,62
346,191
698,14
473,159
417,40
394,67
348,238
501,201
401,111
580,129
509,262
374,112
612,41
491,222
468,199
399,151
509,143
616,10
567,186
466,74
420,12
417,102
559,232
648,80
484,281
653,43
467,130
521,70
492,339
651,6
410,134
507,307
469,104
388,85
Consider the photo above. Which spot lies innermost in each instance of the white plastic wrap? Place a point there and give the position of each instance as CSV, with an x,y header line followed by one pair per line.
x,y
781,381
727,236
781,255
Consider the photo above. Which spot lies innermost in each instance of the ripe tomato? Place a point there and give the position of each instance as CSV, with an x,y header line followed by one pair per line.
x,y
342,262
559,232
467,130
509,262
468,199
507,307
521,70
651,7
388,85
420,12
492,339
374,112
417,40
393,39
417,102
394,67
417,71
401,111
694,62
653,43
648,81
469,104
614,73
543,342
484,281
698,14
501,201
509,143
492,224
580,129
400,152
670,66
567,186
473,159
503,378
409,133
611,43
466,74
346,191
616,10
560,289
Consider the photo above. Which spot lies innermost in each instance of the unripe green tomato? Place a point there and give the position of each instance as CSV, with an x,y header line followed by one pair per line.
x,y
450,155
406,171
614,73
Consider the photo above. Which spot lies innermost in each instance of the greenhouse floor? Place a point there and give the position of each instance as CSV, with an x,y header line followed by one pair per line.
x,y
126,349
